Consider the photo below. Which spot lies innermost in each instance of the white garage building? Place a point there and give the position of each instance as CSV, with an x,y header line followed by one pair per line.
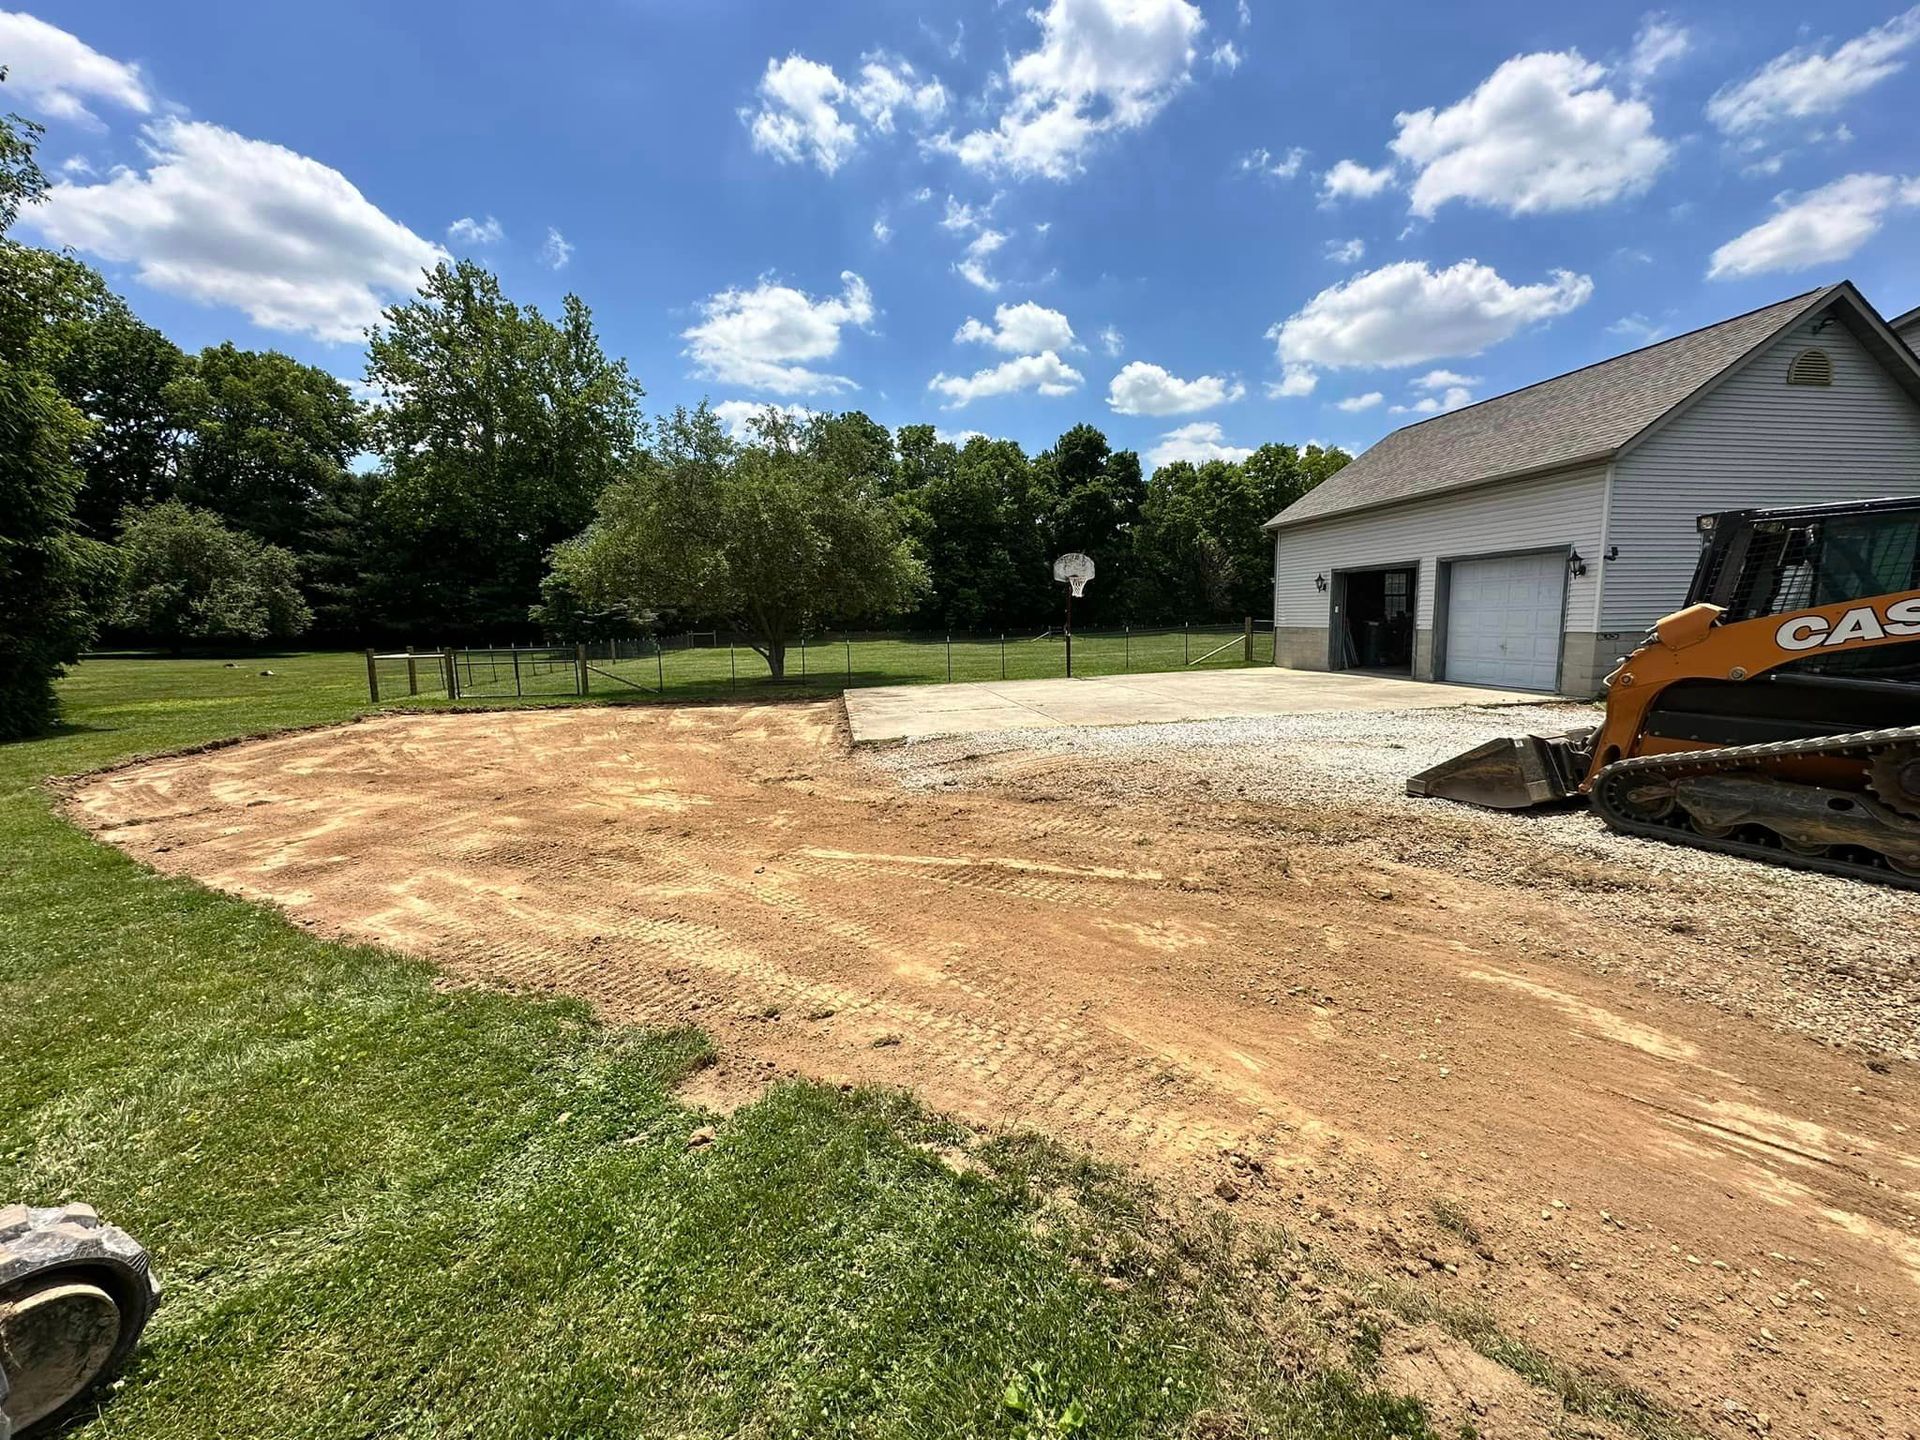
x,y
1530,539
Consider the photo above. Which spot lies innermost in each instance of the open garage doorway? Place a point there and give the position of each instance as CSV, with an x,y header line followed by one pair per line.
x,y
1373,620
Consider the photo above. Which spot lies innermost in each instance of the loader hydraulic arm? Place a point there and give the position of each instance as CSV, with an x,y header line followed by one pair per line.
x,y
1691,644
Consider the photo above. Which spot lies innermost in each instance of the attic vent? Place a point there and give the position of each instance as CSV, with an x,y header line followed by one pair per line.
x,y
1811,367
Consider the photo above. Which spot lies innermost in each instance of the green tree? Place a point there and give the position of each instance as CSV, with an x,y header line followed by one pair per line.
x,y
187,577
981,524
771,536
115,369
498,429
267,440
1094,494
52,580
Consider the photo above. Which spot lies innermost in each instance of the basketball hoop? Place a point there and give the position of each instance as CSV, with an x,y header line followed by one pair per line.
x,y
1075,570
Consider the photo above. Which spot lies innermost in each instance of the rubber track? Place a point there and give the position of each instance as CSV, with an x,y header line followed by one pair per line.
x,y
1678,829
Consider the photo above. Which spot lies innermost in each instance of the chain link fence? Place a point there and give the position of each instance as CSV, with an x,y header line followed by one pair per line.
x,y
705,663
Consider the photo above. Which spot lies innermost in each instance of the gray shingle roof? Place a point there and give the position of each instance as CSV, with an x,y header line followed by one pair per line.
x,y
1584,415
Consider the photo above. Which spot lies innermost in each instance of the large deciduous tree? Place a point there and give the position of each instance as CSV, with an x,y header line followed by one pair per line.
x,y
187,578
52,579
981,524
498,429
787,530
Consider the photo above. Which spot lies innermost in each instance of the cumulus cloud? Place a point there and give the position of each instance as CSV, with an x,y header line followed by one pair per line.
x,y
1112,341
1353,404
1101,66
1144,389
882,231
224,220
1294,381
1819,228
737,416
1542,133
1350,180
58,74
767,338
1407,313
1444,390
1811,80
1226,56
1660,42
556,250
1262,161
1023,329
469,231
1198,443
973,266
1444,380
1045,373
807,113
1346,252
962,216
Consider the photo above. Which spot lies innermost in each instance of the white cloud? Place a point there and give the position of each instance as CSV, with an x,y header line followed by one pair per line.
x,y
1541,133
1353,404
958,438
224,220
1199,442
1045,373
1346,252
1819,228
1660,42
973,268
1294,381
555,251
799,117
1812,81
888,84
1638,328
57,74
737,416
882,231
1407,313
1226,56
1350,180
1246,14
469,231
1102,66
1023,329
1263,161
962,216
1443,380
1450,399
765,338
78,166
1112,341
1144,389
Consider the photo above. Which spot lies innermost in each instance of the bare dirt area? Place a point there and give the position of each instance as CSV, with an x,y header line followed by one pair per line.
x,y
1654,1111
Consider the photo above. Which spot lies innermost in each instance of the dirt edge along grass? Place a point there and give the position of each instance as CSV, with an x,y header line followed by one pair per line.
x,y
385,1207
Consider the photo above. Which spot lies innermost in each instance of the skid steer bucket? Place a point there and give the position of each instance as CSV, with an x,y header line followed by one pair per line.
x,y
1516,772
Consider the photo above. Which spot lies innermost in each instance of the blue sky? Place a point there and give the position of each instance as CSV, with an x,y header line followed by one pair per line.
x,y
1201,226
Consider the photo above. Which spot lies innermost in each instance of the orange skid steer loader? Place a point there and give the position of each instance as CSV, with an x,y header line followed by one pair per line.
x,y
1776,716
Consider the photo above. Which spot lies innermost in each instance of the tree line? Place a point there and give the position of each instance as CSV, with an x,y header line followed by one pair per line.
x,y
494,479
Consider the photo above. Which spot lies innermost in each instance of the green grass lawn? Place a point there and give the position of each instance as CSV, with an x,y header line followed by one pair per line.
x,y
383,1210
700,670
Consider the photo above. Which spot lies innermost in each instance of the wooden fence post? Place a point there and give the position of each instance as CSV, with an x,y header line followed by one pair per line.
x,y
580,662
373,680
1249,639
453,673
413,674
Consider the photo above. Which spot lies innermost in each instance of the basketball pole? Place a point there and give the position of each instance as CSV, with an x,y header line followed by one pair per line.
x,y
1069,629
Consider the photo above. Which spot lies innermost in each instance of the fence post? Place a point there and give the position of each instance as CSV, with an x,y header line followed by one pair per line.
x,y
1126,649
413,677
1003,654
580,666
660,664
1186,642
452,669
803,659
949,658
373,680
733,666
1249,646
849,659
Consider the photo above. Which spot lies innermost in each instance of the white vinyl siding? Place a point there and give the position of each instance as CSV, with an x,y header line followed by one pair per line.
x,y
1561,510
1504,620
1754,440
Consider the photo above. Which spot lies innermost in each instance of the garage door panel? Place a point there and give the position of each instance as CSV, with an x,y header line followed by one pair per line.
x,y
1504,620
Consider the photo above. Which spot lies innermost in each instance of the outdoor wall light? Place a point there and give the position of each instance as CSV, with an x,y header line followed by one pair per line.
x,y
1576,567
1613,553
1320,582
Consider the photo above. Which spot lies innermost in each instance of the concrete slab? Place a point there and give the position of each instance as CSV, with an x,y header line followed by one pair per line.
x,y
892,713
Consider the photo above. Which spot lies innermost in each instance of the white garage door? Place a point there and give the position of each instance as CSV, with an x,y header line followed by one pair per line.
x,y
1504,619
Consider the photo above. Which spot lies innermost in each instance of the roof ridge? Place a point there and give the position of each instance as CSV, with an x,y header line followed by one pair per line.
x,y
1614,359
